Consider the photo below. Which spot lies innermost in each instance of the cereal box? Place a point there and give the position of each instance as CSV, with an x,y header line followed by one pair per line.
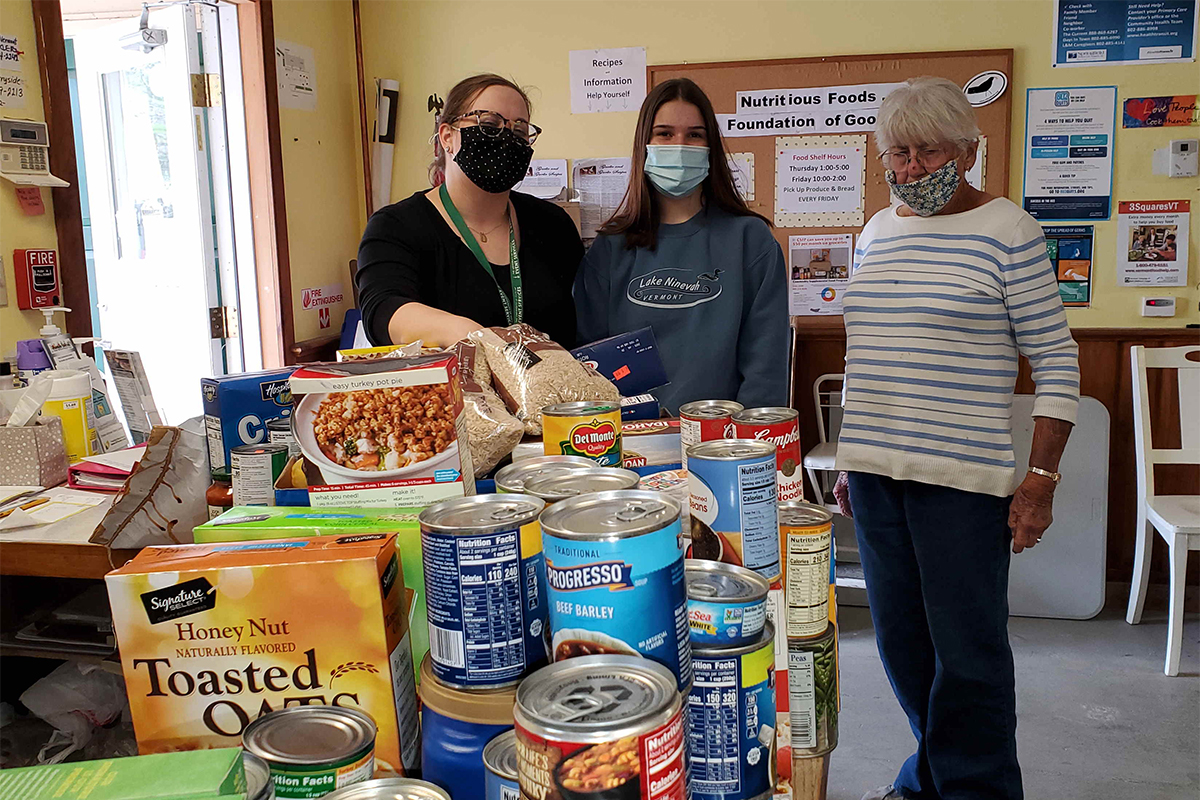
x,y
238,407
213,636
384,433
187,776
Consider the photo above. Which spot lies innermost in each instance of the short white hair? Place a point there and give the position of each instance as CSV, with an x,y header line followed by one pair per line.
x,y
925,111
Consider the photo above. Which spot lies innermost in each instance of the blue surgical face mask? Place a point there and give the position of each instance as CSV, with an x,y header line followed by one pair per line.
x,y
676,169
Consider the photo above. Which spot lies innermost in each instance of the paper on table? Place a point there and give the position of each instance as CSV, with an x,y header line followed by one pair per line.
x,y
601,184
119,459
62,503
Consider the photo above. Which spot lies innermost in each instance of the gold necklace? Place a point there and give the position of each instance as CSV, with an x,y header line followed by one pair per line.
x,y
483,234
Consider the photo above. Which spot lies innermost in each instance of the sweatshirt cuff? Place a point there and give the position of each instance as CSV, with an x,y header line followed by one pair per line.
x,y
1062,408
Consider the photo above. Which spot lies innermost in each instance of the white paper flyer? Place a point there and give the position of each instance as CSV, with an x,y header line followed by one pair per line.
x,y
1152,242
818,273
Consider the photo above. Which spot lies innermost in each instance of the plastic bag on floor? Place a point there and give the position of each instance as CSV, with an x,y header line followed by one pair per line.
x,y
75,698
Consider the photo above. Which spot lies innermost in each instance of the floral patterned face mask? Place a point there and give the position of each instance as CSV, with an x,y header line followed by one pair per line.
x,y
930,194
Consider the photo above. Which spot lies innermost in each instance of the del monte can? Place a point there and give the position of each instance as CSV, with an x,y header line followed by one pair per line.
x,y
588,428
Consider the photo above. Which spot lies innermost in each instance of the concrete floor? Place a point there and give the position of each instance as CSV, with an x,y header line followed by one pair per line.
x,y
1097,718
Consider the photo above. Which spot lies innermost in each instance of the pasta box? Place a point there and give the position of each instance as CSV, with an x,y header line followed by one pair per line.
x,y
187,775
630,360
238,407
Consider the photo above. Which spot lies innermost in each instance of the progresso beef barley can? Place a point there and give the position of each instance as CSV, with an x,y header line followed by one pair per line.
x,y
604,727
781,427
500,761
614,568
727,605
587,428
703,421
483,564
732,499
807,535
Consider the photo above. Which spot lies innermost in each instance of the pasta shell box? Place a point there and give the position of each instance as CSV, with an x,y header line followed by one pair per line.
x,y
238,407
213,636
33,455
383,433
630,360
190,775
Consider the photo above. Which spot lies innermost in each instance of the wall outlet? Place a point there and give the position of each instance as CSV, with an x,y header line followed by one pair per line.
x,y
1158,306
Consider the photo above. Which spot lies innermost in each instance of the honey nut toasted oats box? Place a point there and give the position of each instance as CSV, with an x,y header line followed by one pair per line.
x,y
213,636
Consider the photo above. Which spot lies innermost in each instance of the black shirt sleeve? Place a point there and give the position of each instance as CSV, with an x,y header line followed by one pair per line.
x,y
390,266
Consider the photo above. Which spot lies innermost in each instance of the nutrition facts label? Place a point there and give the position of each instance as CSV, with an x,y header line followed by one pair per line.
x,y
713,730
760,534
808,583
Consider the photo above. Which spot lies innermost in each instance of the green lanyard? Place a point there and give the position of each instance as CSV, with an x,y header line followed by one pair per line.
x,y
514,310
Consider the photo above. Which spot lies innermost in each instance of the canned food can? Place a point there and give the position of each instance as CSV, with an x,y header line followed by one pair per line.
x,y
808,544
512,478
255,468
587,428
500,761
731,720
390,789
603,726
780,426
258,777
312,750
279,431
484,569
614,569
703,421
813,694
727,605
732,499
555,486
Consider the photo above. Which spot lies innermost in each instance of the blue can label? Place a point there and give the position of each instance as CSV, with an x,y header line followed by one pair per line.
x,y
486,609
497,787
731,725
625,596
734,520
727,622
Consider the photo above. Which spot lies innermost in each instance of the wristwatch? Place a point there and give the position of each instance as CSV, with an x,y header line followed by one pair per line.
x,y
1054,476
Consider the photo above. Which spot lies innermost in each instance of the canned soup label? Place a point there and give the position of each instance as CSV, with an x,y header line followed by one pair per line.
x,y
735,501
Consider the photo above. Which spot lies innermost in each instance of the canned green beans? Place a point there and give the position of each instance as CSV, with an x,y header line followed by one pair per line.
x,y
312,750
813,694
256,467
512,478
727,605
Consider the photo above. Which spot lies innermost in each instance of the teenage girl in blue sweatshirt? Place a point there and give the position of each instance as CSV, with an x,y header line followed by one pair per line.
x,y
685,255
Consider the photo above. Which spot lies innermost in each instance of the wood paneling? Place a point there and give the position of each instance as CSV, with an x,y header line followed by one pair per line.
x,y
1104,374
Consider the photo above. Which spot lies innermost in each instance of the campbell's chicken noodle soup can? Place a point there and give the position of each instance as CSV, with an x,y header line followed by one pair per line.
x,y
781,427
703,421
587,428
603,727
808,549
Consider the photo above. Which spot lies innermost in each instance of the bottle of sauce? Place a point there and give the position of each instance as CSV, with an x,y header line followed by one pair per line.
x,y
220,493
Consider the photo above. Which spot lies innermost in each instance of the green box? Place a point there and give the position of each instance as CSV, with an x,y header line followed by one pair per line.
x,y
248,523
187,775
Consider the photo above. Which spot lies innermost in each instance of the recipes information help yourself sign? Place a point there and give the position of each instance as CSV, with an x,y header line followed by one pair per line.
x,y
1152,242
607,80
1069,152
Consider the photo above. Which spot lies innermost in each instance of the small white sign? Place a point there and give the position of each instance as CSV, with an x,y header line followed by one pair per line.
x,y
986,87
741,166
12,91
1152,242
545,178
818,272
819,181
613,79
321,296
10,52
296,74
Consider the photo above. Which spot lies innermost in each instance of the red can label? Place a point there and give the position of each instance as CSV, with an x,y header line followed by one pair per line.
x,y
703,429
785,435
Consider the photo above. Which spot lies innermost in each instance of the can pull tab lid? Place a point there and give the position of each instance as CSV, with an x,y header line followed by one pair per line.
x,y
636,511
505,513
702,590
582,704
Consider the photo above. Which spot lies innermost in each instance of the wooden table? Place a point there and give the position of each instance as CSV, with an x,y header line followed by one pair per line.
x,y
61,550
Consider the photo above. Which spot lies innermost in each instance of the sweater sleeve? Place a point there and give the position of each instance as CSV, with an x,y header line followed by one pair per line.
x,y
388,273
763,338
591,292
1039,322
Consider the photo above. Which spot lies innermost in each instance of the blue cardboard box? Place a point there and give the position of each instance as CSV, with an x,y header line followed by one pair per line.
x,y
237,409
630,360
642,406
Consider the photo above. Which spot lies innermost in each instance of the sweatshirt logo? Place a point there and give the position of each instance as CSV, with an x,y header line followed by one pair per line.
x,y
672,287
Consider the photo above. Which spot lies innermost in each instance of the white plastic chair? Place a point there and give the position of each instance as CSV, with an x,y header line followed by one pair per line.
x,y
819,462
1175,517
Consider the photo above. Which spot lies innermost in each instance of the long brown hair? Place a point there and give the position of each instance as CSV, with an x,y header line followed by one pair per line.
x,y
457,102
637,216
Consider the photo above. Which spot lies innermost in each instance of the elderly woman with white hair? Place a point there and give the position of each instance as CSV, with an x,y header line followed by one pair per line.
x,y
951,285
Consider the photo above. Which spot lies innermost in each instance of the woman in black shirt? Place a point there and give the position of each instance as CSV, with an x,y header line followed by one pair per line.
x,y
470,253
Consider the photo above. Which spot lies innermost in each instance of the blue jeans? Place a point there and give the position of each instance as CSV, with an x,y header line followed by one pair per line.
x,y
936,566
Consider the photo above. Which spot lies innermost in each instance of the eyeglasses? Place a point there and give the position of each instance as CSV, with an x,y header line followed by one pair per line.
x,y
928,157
492,123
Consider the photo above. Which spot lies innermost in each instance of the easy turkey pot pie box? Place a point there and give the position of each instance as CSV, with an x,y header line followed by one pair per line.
x,y
213,636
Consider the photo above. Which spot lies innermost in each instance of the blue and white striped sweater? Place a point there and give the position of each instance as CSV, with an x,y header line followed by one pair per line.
x,y
937,311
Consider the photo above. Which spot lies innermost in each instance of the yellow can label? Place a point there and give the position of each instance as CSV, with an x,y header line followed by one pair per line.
x,y
595,436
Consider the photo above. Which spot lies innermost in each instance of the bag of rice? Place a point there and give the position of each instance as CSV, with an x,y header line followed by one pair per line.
x,y
531,371
492,432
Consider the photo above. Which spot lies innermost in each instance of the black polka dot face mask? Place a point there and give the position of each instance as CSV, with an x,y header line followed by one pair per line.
x,y
493,163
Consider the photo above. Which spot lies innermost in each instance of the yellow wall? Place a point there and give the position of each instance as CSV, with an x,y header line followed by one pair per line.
x,y
428,46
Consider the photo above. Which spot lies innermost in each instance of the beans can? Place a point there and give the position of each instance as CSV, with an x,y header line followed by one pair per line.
x,y
484,571
780,426
727,605
732,499
614,568
807,532
813,694
279,431
703,421
731,720
603,727
512,478
500,761
312,750
587,428
561,485
674,484
258,777
256,467
390,789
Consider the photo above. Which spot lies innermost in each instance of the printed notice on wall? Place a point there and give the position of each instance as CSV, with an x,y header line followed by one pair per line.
x,y
819,270
1088,33
546,178
1070,250
296,73
12,90
10,52
1152,242
817,109
819,181
607,80
1069,152
601,184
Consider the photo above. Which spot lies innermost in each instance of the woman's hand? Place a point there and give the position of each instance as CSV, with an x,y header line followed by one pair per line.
x,y
1030,513
841,493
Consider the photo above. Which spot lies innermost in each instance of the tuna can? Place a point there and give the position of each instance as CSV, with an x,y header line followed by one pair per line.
x,y
512,478
780,426
727,605
258,777
312,750
256,467
813,694
587,428
456,726
614,568
703,421
555,486
500,761
732,498
279,431
603,727
390,789
484,570
808,545
731,720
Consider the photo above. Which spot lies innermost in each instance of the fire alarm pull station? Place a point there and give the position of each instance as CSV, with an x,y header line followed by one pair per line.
x,y
38,284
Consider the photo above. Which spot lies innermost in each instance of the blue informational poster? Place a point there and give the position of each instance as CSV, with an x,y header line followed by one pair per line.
x,y
1069,152
1094,32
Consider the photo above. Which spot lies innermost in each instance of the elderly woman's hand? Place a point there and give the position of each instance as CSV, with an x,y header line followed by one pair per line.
x,y
1030,512
841,493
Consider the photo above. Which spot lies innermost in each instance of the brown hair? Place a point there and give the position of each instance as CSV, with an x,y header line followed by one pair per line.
x,y
458,102
637,216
